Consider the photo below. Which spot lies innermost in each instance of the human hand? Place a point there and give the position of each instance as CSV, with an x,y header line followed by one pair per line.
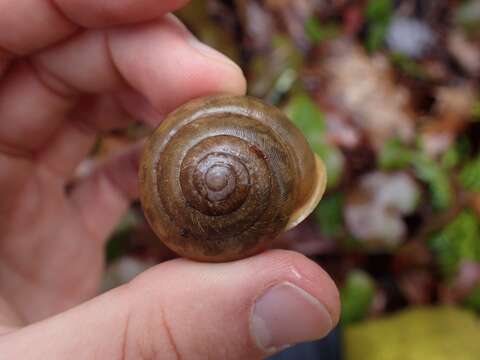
x,y
70,69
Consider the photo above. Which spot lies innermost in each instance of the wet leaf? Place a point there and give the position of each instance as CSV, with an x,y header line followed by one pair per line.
x,y
378,14
356,297
379,10
318,32
395,155
308,117
329,214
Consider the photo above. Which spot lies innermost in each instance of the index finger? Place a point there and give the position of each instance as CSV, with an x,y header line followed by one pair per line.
x,y
29,25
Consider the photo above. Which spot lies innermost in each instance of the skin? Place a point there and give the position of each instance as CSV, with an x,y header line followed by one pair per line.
x,y
70,69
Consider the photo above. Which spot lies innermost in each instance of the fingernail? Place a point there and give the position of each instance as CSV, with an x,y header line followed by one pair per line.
x,y
286,315
211,53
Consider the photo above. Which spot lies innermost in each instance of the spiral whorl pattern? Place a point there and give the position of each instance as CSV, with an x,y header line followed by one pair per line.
x,y
218,178
215,180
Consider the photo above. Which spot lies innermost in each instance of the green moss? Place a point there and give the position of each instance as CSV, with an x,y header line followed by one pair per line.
x,y
470,175
459,241
430,333
430,172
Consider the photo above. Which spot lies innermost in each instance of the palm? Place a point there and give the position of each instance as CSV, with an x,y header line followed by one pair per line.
x,y
59,88
50,259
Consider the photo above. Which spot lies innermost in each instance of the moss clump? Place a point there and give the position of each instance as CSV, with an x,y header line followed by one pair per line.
x,y
418,334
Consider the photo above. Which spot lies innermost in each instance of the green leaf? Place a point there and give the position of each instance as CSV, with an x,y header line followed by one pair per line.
x,y
470,175
457,242
329,214
456,154
395,155
436,178
318,32
376,37
334,162
308,117
378,14
356,297
450,158
379,10
472,301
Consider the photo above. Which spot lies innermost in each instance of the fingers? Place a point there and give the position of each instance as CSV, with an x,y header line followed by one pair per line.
x,y
76,137
160,60
102,197
14,174
93,13
4,61
29,25
157,60
188,67
67,149
9,320
181,309
29,110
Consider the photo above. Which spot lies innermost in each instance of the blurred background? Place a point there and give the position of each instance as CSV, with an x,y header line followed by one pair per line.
x,y
388,94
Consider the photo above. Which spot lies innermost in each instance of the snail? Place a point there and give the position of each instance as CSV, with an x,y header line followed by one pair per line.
x,y
222,176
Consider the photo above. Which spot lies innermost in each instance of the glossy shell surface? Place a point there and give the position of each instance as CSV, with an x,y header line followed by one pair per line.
x,y
222,176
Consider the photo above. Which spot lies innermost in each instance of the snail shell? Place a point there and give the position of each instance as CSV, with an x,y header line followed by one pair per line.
x,y
222,176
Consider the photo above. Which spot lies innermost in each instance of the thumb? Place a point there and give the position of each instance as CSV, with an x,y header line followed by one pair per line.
x,y
185,310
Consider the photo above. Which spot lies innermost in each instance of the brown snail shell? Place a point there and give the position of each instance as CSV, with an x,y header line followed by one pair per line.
x,y
222,176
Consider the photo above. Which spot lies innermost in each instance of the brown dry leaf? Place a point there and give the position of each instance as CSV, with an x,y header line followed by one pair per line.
x,y
417,286
413,254
465,52
456,100
365,87
453,106
475,203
